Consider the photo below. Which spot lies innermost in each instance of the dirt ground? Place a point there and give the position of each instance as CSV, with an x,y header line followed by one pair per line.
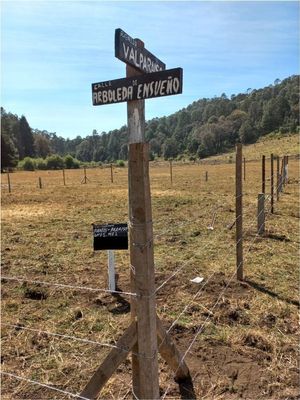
x,y
240,338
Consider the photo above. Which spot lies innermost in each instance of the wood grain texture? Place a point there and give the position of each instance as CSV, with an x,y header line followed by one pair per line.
x,y
111,363
171,354
142,262
239,212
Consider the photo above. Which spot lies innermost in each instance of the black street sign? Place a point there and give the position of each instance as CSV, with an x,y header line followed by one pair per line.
x,y
126,50
110,237
147,86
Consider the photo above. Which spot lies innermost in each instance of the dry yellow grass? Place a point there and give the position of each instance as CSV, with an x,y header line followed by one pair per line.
x,y
248,344
280,145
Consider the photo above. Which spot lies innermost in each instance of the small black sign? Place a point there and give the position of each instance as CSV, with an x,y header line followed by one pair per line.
x,y
147,86
110,237
126,50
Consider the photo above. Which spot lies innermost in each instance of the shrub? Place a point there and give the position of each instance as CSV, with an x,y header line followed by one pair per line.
x,y
71,162
151,156
55,162
40,163
27,164
120,163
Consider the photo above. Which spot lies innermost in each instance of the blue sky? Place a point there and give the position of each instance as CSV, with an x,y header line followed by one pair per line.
x,y
51,52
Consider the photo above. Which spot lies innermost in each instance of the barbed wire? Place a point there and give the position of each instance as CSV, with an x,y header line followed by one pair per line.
x,y
131,294
65,286
210,314
21,378
68,337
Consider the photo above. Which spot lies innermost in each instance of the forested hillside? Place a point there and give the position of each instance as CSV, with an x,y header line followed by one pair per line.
x,y
206,127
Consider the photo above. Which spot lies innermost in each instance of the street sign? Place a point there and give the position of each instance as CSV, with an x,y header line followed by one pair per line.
x,y
147,86
110,237
126,50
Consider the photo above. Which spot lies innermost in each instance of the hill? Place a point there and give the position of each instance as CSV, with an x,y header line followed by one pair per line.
x,y
204,128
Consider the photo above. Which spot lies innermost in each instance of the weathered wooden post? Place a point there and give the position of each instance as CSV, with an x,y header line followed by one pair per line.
x,y
272,183
145,375
146,329
40,182
278,177
64,178
8,182
263,174
244,168
281,176
261,214
171,172
285,170
111,174
206,176
85,177
239,212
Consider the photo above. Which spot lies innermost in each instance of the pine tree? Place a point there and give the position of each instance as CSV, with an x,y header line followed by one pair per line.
x,y
9,153
25,139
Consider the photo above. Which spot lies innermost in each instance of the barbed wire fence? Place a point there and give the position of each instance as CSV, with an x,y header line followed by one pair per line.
x,y
20,327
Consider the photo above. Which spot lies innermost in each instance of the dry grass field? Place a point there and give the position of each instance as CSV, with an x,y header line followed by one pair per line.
x,y
246,334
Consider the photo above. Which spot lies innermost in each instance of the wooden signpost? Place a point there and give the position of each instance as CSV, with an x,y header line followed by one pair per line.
x,y
146,77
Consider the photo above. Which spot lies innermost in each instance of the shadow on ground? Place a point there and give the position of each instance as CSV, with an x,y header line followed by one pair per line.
x,y
263,289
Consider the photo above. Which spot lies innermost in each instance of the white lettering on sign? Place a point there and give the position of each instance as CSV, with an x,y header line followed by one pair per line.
x,y
146,86
127,37
102,85
113,95
137,58
110,231
144,90
161,87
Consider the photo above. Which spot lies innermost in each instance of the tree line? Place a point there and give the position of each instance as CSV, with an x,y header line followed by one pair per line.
x,y
205,127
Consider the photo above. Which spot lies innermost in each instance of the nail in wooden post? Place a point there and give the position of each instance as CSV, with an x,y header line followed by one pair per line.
x,y
272,183
263,174
40,182
171,172
261,214
111,174
278,177
206,176
64,178
8,182
238,213
244,168
144,373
